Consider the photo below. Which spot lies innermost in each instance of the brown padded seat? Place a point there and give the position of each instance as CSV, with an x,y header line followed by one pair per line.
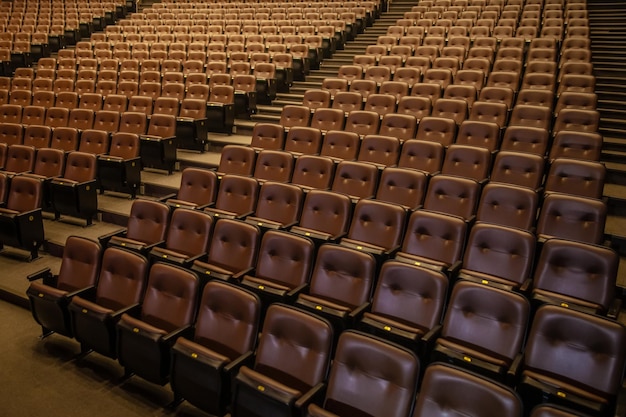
x,y
376,226
551,410
341,282
225,332
448,389
582,178
147,225
422,155
498,255
433,240
289,335
483,329
236,196
437,129
404,186
508,205
75,193
452,195
369,377
357,179
236,159
187,237
303,140
467,162
340,145
20,158
576,145
572,217
325,215
313,172
121,285
381,150
145,338
408,302
283,267
273,165
232,251
278,207
50,296
267,136
517,168
198,188
576,274
560,337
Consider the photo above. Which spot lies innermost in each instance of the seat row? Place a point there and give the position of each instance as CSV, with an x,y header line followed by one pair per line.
x,y
447,70
155,70
128,325
158,136
411,188
116,113
53,28
467,156
300,138
448,115
457,102
52,183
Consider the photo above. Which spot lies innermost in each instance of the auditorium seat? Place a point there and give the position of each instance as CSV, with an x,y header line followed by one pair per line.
x,y
352,391
283,267
120,169
267,136
407,305
340,145
120,289
279,382
197,190
224,337
273,165
145,337
50,294
232,251
278,207
452,195
311,171
403,186
95,142
489,339
356,179
518,168
158,145
422,155
577,275
572,217
437,129
303,141
187,239
376,228
581,178
147,227
560,337
341,285
75,193
467,162
576,145
499,256
449,389
508,205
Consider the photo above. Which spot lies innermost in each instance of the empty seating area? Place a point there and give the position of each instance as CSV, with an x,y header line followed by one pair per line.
x,y
423,233
342,302
35,29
